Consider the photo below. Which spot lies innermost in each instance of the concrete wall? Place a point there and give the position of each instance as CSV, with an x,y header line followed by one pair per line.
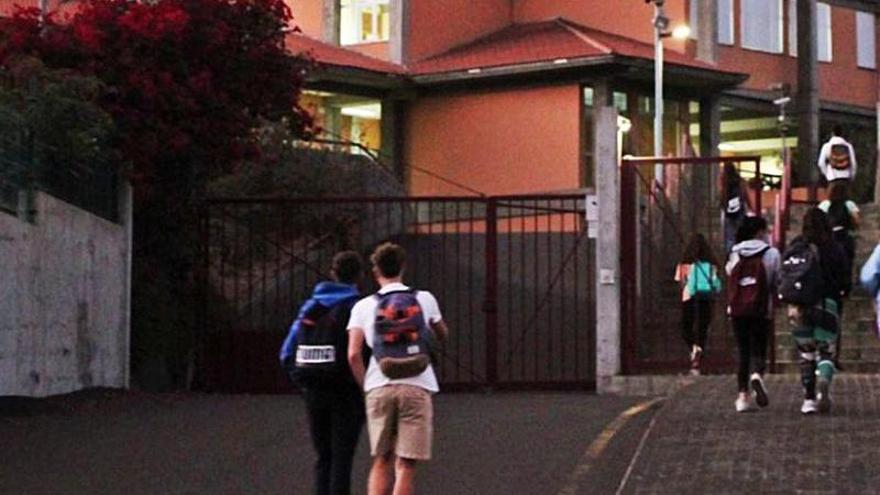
x,y
64,294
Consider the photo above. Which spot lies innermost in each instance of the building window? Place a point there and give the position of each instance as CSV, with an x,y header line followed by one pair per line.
x,y
725,22
364,21
761,24
866,33
823,31
693,18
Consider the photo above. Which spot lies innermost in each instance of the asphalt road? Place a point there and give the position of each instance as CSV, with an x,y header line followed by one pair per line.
x,y
106,442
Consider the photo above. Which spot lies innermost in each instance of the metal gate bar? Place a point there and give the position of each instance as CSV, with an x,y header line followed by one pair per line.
x,y
501,268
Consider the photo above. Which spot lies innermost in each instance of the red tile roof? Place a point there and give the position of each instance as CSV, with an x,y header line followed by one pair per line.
x,y
543,42
328,54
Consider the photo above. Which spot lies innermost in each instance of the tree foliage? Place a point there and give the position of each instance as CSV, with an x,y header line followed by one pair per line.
x,y
185,81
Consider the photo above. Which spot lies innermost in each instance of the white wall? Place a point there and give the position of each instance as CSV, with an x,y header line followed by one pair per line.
x,y
64,289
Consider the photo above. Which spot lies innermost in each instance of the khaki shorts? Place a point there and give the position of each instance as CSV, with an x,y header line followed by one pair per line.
x,y
400,419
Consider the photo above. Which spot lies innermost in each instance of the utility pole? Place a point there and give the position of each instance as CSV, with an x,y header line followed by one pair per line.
x,y
808,93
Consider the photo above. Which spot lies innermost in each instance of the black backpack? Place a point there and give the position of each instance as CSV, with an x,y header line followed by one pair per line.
x,y
839,217
320,357
800,277
734,205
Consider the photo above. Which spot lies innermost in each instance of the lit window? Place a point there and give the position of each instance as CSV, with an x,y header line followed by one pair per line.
x,y
823,30
762,25
364,21
866,33
725,22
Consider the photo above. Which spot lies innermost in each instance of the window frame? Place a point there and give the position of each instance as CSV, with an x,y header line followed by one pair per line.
x,y
824,7
793,36
860,15
780,49
358,7
731,27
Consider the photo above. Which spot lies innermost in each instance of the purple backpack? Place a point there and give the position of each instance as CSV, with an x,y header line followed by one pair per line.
x,y
403,342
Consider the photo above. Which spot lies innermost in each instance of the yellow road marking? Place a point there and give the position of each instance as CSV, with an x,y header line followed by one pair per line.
x,y
594,451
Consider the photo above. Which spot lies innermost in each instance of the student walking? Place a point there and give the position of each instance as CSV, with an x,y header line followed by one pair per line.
x,y
735,203
698,278
752,270
843,215
810,283
399,324
315,356
869,278
837,159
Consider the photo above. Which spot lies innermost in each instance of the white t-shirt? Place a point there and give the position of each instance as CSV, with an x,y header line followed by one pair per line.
x,y
363,316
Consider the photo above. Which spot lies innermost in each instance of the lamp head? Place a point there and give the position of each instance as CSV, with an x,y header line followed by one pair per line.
x,y
681,32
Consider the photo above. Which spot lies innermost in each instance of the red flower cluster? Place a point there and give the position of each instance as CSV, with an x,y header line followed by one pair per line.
x,y
185,80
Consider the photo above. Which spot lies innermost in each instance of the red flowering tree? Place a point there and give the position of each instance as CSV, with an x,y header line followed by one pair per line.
x,y
186,80
186,83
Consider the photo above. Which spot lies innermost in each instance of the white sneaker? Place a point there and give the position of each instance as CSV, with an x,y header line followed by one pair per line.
x,y
809,407
760,390
824,397
744,404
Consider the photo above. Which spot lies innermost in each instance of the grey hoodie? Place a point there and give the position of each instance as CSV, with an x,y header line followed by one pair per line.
x,y
771,259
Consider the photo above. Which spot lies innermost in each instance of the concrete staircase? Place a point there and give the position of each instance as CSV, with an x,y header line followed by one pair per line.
x,y
860,351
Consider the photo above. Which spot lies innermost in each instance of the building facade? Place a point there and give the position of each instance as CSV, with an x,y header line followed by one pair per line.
x,y
496,95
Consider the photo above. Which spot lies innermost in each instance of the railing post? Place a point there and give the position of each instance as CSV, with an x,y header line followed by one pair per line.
x,y
490,303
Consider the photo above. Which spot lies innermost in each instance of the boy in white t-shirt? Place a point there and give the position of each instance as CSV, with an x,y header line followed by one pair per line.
x,y
399,411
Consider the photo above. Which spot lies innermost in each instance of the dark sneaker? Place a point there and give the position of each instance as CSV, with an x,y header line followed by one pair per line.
x,y
761,397
824,396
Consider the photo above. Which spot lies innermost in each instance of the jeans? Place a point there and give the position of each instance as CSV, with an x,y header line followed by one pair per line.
x,y
751,338
336,418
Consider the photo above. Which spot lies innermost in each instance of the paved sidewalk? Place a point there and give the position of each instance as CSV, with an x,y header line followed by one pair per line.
x,y
698,444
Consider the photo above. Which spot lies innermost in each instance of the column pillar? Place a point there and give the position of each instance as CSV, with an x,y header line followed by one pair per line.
x,y
608,317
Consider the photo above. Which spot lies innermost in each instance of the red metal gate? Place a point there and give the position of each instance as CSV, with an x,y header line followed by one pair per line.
x,y
513,275
658,217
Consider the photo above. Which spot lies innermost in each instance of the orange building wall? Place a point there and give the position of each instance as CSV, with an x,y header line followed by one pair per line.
x,y
437,25
843,80
499,142
839,81
308,15
629,18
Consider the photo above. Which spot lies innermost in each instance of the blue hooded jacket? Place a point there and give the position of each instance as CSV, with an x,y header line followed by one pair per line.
x,y
327,294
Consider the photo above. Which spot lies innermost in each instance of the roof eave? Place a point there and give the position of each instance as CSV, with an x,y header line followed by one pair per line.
x,y
508,70
707,77
356,77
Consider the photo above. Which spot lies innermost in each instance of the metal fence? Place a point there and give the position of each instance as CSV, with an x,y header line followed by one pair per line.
x,y
513,276
26,166
657,219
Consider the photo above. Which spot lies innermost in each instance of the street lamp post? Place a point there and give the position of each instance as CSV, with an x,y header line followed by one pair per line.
x,y
661,30
661,23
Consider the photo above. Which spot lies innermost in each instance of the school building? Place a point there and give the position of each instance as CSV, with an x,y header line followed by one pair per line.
x,y
496,95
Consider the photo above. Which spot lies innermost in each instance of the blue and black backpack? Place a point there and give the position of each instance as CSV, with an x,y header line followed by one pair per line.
x,y
320,357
